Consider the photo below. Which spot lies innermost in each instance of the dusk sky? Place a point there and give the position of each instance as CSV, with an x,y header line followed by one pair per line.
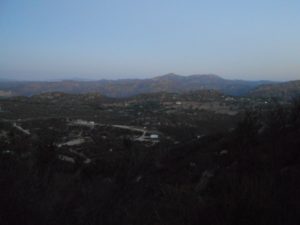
x,y
95,39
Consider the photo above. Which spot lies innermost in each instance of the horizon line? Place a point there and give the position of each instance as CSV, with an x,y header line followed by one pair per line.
x,y
90,79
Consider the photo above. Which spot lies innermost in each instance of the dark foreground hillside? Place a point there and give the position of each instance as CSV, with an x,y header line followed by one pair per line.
x,y
250,175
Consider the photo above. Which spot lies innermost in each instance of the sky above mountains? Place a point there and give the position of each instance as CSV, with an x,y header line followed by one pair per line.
x,y
95,39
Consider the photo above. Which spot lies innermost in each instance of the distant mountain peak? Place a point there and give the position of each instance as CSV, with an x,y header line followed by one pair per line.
x,y
207,76
173,76
168,76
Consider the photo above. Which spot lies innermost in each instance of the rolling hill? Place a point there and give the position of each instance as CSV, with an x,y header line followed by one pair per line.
x,y
286,90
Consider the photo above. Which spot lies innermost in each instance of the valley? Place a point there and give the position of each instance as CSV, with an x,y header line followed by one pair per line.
x,y
93,158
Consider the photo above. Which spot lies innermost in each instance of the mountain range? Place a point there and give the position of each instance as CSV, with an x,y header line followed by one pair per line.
x,y
130,87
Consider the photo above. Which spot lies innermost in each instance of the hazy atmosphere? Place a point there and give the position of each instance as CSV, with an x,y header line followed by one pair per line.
x,y
149,112
112,39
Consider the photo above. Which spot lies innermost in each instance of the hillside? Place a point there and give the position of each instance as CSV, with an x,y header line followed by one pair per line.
x,y
131,87
283,91
82,159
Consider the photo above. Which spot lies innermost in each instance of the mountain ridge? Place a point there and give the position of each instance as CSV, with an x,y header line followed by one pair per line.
x,y
129,87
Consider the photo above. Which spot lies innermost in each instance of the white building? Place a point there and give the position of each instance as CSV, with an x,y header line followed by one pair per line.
x,y
154,136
